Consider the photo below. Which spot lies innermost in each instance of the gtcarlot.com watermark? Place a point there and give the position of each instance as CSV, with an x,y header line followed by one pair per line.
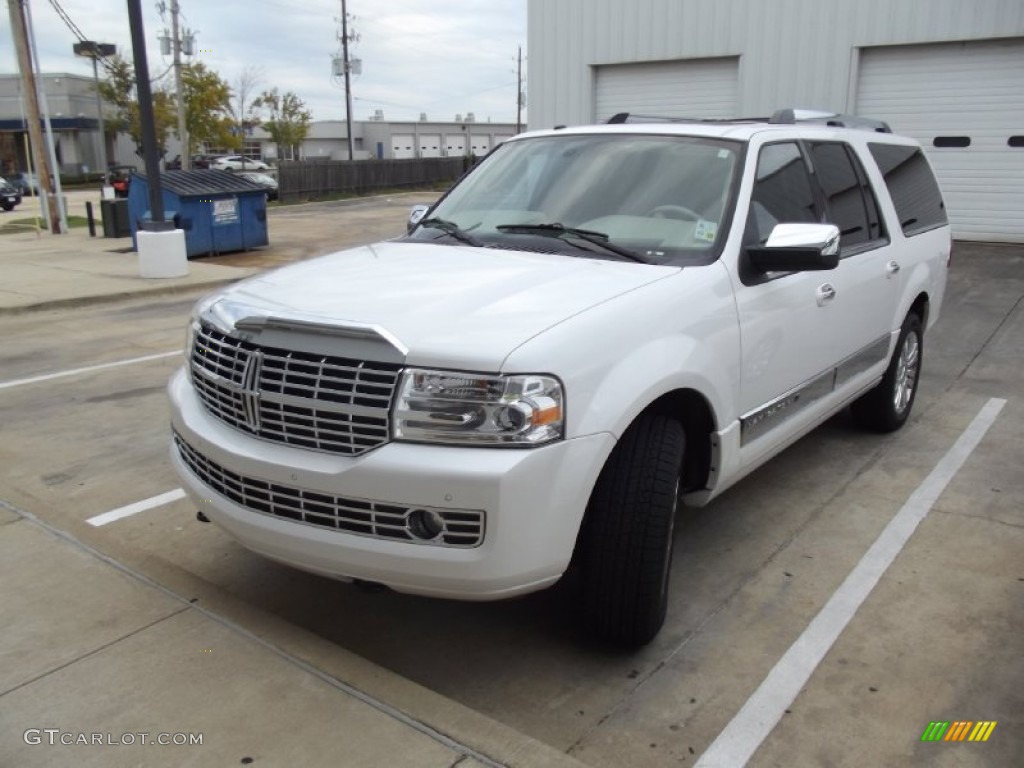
x,y
56,737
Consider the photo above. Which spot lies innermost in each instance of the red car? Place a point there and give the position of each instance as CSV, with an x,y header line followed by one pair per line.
x,y
118,177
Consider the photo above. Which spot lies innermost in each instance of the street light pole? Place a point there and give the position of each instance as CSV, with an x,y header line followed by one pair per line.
x,y
96,51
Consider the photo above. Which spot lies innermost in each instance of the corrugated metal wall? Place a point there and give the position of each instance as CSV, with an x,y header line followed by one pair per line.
x,y
792,52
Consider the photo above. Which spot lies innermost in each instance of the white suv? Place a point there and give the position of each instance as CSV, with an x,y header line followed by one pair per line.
x,y
594,324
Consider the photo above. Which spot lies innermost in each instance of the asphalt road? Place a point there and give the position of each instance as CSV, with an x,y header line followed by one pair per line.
x,y
939,637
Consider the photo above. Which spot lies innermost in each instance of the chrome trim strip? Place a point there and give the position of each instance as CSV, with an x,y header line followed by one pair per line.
x,y
765,418
769,416
858,362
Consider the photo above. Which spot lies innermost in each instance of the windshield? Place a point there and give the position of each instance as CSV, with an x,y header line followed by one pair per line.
x,y
665,198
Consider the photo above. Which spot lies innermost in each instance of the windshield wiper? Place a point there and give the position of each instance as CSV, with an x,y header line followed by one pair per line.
x,y
453,229
561,231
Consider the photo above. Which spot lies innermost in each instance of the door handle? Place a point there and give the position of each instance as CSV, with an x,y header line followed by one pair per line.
x,y
892,268
825,294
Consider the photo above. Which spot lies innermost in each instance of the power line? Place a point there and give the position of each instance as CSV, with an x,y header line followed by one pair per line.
x,y
77,32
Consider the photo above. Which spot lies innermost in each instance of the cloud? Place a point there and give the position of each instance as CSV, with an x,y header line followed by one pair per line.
x,y
417,56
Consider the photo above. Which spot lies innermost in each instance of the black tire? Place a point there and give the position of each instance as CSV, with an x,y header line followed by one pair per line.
x,y
626,547
887,407
7,207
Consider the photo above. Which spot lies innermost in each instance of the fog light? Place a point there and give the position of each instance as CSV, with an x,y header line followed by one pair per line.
x,y
424,524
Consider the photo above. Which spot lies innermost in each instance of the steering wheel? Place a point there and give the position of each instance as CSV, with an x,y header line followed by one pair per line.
x,y
674,212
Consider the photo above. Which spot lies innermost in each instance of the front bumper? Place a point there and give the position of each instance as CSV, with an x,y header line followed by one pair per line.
x,y
533,500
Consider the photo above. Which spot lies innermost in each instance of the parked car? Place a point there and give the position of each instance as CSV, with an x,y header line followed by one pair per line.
x,y
10,195
238,163
28,183
119,177
265,180
173,164
201,162
595,325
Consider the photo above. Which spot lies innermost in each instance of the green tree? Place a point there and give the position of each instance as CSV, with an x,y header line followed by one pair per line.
x,y
207,108
118,91
289,121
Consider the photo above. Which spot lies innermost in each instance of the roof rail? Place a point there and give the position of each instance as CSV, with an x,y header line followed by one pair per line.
x,y
781,117
834,119
629,117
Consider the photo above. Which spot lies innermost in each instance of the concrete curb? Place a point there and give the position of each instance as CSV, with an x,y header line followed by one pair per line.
x,y
110,298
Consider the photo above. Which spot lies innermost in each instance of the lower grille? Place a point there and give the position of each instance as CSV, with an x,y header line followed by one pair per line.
x,y
459,528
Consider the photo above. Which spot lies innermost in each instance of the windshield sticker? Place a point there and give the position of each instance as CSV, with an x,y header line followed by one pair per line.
x,y
724,154
705,231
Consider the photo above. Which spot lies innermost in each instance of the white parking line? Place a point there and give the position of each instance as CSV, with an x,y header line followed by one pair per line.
x,y
736,744
138,506
87,369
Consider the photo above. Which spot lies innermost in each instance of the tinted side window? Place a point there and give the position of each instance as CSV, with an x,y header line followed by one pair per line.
x,y
782,191
842,190
912,186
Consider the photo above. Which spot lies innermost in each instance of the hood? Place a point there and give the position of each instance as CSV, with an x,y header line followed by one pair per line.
x,y
449,306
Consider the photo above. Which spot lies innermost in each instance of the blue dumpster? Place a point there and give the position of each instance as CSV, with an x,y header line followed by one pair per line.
x,y
219,211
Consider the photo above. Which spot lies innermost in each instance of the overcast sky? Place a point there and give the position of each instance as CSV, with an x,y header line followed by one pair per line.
x,y
441,58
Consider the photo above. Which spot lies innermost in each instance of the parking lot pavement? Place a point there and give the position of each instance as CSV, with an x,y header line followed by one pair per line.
x,y
44,271
937,639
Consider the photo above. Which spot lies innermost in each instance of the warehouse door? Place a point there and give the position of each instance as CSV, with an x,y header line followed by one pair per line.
x,y
965,103
430,145
403,146
689,88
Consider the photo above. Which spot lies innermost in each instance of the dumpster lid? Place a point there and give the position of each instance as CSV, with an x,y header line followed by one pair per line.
x,y
204,182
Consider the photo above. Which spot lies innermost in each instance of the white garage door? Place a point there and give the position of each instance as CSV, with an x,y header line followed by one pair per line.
x,y
965,103
690,88
403,146
430,145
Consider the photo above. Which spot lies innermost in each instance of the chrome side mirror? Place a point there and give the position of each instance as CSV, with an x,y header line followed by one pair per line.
x,y
416,214
797,248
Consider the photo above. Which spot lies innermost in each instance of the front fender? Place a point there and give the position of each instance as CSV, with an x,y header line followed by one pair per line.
x,y
618,357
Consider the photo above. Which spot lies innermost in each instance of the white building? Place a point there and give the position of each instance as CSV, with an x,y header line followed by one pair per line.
x,y
948,72
384,139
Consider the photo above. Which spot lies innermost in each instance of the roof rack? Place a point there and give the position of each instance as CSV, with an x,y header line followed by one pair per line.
x,y
629,117
780,117
793,116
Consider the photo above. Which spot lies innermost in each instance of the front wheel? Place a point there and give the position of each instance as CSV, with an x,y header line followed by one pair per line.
x,y
626,546
887,407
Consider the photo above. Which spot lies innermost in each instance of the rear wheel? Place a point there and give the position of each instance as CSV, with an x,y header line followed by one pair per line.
x,y
626,547
887,407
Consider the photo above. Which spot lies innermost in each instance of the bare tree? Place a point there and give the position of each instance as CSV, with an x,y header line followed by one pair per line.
x,y
244,101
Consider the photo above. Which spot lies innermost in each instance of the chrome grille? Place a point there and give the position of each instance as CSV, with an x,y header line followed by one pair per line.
x,y
325,403
461,528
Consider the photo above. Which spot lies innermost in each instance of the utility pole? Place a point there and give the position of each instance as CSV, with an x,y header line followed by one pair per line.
x,y
186,152
348,79
519,92
19,31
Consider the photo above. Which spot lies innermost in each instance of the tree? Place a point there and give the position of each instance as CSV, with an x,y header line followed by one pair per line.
x,y
289,121
244,102
207,108
118,90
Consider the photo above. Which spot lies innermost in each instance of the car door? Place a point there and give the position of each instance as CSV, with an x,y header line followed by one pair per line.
x,y
787,320
867,280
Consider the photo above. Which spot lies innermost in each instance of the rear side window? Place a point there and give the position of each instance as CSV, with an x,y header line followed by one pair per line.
x,y
912,186
850,200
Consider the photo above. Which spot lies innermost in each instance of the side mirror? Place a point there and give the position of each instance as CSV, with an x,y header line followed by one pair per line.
x,y
415,215
797,248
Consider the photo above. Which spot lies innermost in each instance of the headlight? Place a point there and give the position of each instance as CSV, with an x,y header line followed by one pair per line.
x,y
472,409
